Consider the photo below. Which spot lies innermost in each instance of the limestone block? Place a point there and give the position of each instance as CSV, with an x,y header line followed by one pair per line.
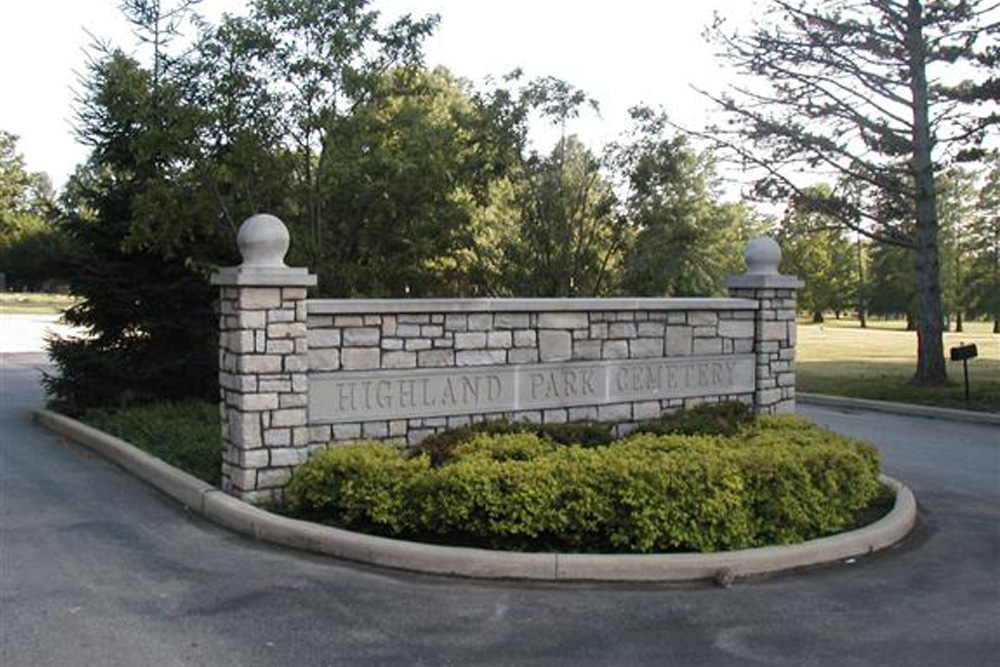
x,y
582,414
562,320
254,402
271,478
523,355
435,358
645,410
323,337
676,318
444,343
244,429
768,396
397,428
786,379
413,318
678,342
319,321
622,330
599,330
289,417
615,412
392,343
324,360
414,344
293,400
470,341
252,458
408,330
258,298
348,321
614,349
554,345
736,328
251,319
707,346
293,293
375,430
361,336
456,322
399,360
776,330
644,348
300,382
241,342
278,437
295,363
320,433
525,338
480,357
510,321
556,416
288,456
625,316
290,330
481,322
243,479
360,358
258,363
274,384
281,346
499,339
651,329
282,315
742,345
702,318
389,326
587,350
346,431
432,331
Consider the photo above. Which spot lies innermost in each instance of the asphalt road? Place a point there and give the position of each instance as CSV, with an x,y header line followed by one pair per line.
x,y
98,569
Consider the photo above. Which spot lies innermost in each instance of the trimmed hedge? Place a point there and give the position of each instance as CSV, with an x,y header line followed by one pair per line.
x,y
775,481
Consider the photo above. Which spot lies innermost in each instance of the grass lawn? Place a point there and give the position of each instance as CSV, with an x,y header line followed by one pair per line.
x,y
24,302
838,357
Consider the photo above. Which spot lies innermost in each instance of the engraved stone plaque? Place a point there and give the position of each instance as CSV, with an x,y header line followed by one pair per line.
x,y
358,396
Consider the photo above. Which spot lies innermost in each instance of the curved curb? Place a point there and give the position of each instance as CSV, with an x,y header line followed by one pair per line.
x,y
909,409
244,518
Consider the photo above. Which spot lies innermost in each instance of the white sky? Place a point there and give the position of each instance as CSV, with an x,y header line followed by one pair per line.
x,y
621,53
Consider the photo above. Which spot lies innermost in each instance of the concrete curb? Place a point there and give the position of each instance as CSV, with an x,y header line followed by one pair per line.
x,y
908,409
241,517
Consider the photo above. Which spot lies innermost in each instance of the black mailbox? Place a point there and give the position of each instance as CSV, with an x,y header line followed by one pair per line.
x,y
963,352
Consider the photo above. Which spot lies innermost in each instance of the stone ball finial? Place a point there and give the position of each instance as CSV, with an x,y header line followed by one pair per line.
x,y
263,241
762,255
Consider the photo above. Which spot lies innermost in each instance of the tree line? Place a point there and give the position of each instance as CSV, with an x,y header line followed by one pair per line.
x,y
396,180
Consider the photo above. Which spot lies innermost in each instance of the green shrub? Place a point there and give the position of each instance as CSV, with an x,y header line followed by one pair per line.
x,y
185,435
776,481
725,418
440,447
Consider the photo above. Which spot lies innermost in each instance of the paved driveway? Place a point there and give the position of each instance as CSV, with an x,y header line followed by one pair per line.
x,y
98,569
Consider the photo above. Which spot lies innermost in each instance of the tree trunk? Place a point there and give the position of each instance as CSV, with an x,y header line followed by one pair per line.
x,y
818,318
931,368
911,323
958,322
996,325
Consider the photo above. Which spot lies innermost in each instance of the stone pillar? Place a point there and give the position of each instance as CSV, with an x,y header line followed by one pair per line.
x,y
263,364
774,330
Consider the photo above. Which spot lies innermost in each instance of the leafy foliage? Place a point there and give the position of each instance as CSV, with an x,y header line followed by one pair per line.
x,y
184,435
776,481
867,91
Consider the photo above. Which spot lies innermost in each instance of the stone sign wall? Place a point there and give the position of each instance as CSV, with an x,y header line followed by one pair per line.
x,y
297,375
405,368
